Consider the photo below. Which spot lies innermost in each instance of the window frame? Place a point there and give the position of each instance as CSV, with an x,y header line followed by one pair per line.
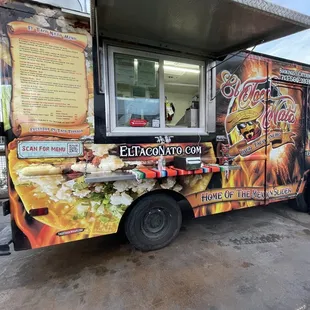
x,y
110,89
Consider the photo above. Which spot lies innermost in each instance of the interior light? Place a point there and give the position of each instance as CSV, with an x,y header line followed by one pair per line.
x,y
179,69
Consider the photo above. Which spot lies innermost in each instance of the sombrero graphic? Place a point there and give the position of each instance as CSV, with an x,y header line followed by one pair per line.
x,y
243,116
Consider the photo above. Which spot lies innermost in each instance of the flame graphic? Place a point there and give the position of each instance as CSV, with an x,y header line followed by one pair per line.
x,y
269,166
266,167
38,234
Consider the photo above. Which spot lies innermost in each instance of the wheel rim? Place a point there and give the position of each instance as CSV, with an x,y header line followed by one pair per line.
x,y
155,222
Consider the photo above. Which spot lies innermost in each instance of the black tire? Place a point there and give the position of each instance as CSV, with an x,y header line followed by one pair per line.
x,y
153,222
301,202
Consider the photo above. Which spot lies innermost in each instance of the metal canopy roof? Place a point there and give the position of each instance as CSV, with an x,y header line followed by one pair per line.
x,y
209,27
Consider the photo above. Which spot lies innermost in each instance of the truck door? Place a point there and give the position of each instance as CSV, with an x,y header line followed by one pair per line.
x,y
285,136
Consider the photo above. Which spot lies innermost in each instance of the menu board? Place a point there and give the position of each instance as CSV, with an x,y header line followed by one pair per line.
x,y
146,73
50,94
125,73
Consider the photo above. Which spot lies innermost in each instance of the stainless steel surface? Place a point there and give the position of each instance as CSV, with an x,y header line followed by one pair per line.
x,y
107,177
3,174
230,167
209,27
211,97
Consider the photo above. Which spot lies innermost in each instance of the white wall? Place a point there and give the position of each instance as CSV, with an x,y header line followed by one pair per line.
x,y
181,103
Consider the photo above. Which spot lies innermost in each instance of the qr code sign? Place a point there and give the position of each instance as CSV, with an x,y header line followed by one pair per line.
x,y
74,149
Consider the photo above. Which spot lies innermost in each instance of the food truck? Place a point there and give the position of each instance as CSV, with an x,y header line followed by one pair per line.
x,y
112,123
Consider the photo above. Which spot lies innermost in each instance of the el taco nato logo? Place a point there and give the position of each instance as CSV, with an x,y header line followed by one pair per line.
x,y
258,114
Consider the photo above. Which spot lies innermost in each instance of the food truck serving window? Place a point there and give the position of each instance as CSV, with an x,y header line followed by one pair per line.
x,y
151,93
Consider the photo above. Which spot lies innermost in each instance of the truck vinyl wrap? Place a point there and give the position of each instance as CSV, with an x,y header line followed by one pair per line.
x,y
260,153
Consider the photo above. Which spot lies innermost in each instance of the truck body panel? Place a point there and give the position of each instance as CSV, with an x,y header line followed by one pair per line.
x,y
68,181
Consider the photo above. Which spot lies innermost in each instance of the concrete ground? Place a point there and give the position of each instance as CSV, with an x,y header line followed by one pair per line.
x,y
249,259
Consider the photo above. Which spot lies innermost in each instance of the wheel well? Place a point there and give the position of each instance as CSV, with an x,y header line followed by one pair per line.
x,y
307,187
182,201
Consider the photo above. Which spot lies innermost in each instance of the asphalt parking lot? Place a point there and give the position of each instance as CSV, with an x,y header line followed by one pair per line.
x,y
249,259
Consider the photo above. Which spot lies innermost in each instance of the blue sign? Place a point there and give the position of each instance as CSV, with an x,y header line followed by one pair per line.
x,y
49,149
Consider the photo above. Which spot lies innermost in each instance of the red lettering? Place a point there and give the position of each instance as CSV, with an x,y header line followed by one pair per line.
x,y
281,116
283,110
29,149
58,149
247,92
230,86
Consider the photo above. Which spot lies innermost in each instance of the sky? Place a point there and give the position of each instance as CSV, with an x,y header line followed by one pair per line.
x,y
295,47
79,5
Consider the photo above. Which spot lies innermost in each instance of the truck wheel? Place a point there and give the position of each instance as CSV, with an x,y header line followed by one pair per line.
x,y
301,202
153,222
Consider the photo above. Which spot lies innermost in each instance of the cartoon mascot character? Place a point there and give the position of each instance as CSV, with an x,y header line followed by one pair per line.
x,y
246,122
